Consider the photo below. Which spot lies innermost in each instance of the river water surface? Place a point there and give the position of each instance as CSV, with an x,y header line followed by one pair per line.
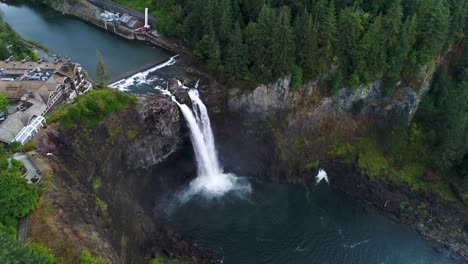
x,y
78,39
279,224
274,224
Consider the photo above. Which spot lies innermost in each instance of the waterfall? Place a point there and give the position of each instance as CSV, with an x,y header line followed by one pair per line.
x,y
211,181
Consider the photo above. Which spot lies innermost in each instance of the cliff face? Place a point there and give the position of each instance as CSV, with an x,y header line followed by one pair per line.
x,y
301,125
277,118
103,174
368,99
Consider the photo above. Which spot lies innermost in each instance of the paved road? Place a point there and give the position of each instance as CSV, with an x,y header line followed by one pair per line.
x,y
31,169
23,226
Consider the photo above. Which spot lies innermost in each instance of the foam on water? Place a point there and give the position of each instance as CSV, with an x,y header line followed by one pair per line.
x,y
141,77
211,181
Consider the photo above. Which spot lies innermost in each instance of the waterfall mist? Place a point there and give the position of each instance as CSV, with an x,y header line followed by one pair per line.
x,y
211,180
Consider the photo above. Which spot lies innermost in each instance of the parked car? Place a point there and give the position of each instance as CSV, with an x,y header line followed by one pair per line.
x,y
3,116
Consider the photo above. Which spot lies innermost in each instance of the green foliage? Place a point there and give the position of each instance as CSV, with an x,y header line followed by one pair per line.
x,y
92,108
87,258
236,55
101,205
15,147
97,184
312,165
3,102
161,260
132,134
40,250
12,44
25,253
296,76
17,197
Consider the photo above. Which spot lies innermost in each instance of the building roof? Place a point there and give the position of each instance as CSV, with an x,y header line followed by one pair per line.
x,y
41,78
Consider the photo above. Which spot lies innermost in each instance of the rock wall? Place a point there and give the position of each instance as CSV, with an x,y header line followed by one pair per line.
x,y
366,99
108,170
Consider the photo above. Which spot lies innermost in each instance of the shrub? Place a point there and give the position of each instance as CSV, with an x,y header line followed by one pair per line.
x,y
87,258
296,76
92,108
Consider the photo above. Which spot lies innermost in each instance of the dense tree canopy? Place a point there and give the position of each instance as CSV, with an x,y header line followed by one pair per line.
x,y
17,197
25,253
366,39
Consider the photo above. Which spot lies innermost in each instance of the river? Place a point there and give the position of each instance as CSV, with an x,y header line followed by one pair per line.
x,y
274,223
79,40
278,224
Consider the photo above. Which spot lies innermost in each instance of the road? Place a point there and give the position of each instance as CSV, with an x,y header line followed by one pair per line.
x,y
31,171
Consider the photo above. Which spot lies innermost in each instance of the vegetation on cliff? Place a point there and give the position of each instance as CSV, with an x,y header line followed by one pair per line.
x,y
92,108
15,252
264,40
431,153
17,197
12,44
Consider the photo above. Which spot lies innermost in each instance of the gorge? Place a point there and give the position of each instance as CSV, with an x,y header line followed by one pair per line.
x,y
169,162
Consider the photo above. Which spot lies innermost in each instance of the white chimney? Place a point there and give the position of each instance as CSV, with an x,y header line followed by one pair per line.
x,y
146,18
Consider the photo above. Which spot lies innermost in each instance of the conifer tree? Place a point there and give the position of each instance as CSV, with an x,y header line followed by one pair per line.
x,y
236,58
283,43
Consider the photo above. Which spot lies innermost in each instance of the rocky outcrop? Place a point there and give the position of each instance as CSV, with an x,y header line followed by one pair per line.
x,y
264,99
158,134
368,99
109,170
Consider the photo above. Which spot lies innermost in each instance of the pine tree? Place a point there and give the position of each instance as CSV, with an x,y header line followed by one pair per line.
x,y
371,60
236,55
263,51
327,36
433,29
306,43
226,22
283,43
214,51
393,21
350,27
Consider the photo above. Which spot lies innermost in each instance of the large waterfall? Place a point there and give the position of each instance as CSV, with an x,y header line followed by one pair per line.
x,y
211,181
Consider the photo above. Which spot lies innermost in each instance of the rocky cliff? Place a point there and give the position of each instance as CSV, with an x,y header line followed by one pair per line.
x,y
104,174
291,131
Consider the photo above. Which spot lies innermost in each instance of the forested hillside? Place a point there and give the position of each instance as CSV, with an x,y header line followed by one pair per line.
x,y
365,39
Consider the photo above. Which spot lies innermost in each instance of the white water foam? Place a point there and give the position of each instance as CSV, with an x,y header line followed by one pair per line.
x,y
321,176
211,181
141,77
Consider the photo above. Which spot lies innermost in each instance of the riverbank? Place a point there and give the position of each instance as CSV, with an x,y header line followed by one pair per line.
x,y
445,224
87,11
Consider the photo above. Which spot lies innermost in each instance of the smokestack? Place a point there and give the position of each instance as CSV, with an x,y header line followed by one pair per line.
x,y
146,18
